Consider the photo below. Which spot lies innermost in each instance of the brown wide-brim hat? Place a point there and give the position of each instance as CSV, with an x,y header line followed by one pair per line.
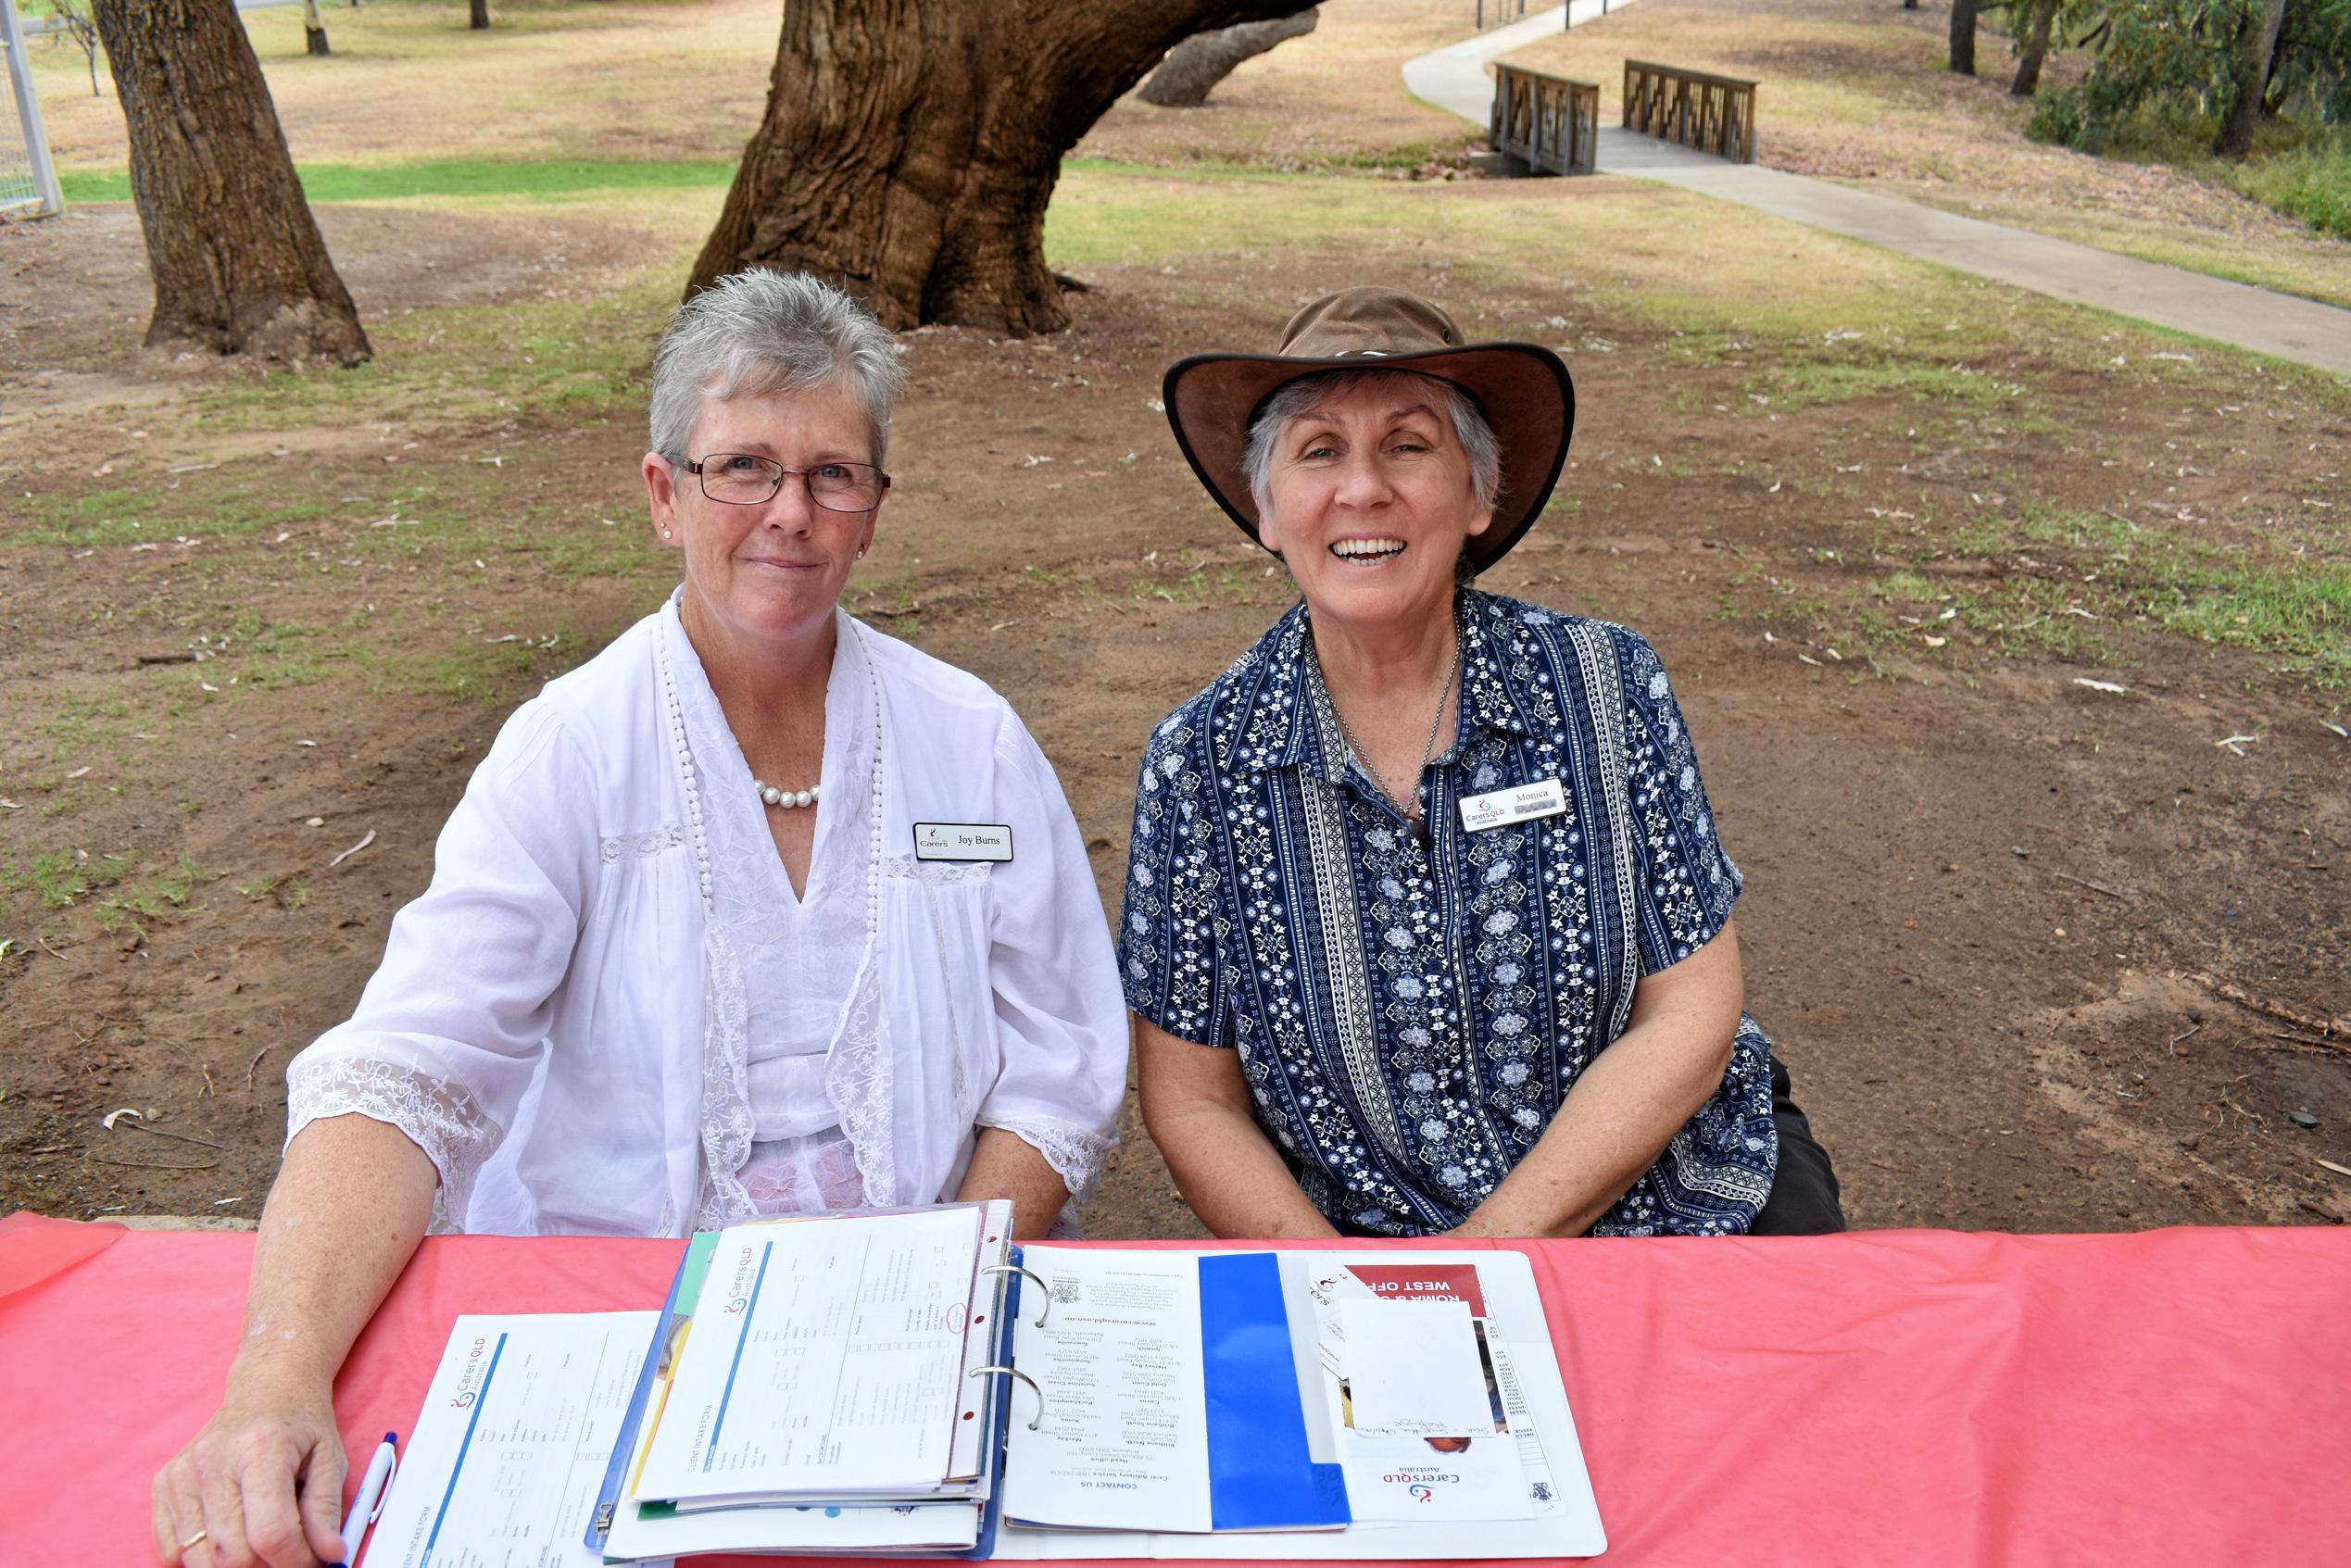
x,y
1523,389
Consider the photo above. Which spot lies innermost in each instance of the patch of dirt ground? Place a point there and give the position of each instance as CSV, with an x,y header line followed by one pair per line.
x,y
1969,875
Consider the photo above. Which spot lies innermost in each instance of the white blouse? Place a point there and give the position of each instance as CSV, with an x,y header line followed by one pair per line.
x,y
564,1021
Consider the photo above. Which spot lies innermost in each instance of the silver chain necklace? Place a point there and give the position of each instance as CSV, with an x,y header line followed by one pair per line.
x,y
1405,808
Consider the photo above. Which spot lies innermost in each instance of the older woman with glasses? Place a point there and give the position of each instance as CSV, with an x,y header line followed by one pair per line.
x,y
758,912
1428,928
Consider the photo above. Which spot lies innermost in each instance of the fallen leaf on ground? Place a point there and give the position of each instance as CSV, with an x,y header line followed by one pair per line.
x,y
353,850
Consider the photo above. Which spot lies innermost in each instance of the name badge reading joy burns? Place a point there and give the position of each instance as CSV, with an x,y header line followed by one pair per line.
x,y
963,841
1500,808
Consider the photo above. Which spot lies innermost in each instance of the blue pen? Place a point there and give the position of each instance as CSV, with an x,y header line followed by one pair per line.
x,y
370,1501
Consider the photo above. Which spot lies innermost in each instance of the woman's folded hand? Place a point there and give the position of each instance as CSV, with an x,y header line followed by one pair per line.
x,y
262,1480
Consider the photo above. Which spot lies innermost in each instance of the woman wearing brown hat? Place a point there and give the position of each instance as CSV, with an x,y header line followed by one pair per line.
x,y
1426,925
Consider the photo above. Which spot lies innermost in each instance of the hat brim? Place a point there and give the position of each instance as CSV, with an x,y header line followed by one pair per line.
x,y
1523,389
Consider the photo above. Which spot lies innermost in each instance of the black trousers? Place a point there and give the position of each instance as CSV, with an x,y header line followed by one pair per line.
x,y
1804,1199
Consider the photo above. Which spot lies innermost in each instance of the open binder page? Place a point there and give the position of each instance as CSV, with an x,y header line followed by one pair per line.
x,y
1122,1440
1520,1492
505,1458
823,1360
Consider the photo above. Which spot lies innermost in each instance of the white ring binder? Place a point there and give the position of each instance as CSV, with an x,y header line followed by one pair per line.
x,y
1015,1371
1044,1291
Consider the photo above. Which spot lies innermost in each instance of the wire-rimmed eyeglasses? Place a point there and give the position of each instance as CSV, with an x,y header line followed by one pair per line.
x,y
745,479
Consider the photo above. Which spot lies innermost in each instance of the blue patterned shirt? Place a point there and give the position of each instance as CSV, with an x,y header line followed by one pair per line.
x,y
1409,1016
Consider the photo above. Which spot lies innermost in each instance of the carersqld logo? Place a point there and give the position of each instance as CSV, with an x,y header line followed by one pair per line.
x,y
1420,1482
469,1385
738,1299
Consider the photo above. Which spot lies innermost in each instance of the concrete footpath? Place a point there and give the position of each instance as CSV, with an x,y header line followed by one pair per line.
x,y
2253,318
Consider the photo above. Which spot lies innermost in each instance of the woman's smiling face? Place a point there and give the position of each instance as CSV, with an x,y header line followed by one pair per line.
x,y
773,571
1369,499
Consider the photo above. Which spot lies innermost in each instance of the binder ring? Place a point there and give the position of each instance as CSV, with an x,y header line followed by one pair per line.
x,y
1015,1371
1045,1290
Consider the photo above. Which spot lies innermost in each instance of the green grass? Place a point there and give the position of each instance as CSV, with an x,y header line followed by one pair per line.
x,y
62,876
2310,183
222,510
2069,577
580,358
2298,167
530,179
1803,386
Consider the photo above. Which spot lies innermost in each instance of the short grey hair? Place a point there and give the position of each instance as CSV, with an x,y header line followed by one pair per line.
x,y
761,332
1302,397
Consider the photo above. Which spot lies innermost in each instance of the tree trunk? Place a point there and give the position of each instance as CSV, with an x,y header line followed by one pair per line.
x,y
910,147
314,28
480,15
1963,36
236,257
2257,46
2037,22
1194,67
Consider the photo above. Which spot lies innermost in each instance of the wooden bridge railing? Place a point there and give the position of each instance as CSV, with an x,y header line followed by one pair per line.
x,y
1714,114
1544,122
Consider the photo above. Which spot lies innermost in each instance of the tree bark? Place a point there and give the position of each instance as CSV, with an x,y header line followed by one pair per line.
x,y
2256,47
1963,36
479,17
314,28
1193,68
910,147
236,257
2039,17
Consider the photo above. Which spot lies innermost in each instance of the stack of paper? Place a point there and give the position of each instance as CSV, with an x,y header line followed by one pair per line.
x,y
815,1388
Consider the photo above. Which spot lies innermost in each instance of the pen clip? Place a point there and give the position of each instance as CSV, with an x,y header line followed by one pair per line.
x,y
385,1490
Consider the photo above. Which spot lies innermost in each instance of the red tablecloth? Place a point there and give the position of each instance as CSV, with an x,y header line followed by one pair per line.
x,y
1891,1396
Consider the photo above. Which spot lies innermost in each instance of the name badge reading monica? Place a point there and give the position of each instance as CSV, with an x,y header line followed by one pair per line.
x,y
1500,808
963,841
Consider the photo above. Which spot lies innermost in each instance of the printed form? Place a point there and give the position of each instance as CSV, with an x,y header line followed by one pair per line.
x,y
825,1358
1122,1443
508,1453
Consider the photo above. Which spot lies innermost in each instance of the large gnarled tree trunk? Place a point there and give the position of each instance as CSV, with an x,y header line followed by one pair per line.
x,y
910,147
2257,49
1193,68
236,259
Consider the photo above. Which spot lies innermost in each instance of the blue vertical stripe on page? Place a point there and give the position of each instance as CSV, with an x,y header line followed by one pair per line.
x,y
1260,1473
480,1397
750,1308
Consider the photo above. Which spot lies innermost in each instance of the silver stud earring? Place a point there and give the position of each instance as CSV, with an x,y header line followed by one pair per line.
x,y
860,554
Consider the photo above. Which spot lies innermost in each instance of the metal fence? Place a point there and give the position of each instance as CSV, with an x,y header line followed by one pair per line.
x,y
27,182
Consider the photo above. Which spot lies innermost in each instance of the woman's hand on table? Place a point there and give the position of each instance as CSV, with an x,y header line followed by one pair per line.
x,y
263,1479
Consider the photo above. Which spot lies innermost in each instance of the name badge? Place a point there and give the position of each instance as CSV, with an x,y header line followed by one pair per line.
x,y
963,841
1500,808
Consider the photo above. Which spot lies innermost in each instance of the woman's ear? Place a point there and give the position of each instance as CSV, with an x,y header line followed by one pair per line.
x,y
661,495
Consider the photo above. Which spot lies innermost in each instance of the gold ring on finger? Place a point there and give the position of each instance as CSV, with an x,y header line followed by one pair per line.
x,y
195,1541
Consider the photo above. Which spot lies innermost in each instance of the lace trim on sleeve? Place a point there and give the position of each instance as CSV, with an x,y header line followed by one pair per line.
x,y
1075,1155
439,1115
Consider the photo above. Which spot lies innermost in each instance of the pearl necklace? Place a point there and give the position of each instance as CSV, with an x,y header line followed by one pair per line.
x,y
785,797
